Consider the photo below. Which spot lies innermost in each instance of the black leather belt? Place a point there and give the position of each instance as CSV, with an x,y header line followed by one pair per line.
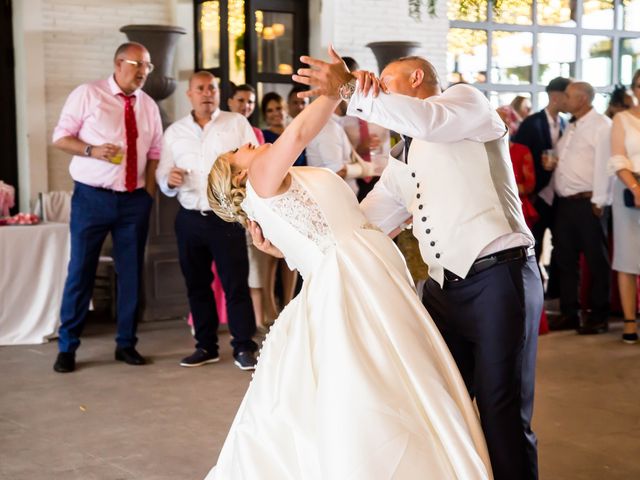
x,y
483,263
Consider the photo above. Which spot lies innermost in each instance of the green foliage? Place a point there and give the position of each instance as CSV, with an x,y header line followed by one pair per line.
x,y
415,7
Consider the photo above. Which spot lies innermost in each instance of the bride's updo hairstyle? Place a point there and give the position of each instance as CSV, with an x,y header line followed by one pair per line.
x,y
225,193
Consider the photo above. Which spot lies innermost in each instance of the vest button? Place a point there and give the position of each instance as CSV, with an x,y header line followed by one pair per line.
x,y
424,219
417,195
427,231
420,207
437,255
432,243
418,185
413,174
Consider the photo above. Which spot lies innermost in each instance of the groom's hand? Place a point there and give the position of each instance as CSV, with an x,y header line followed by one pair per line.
x,y
326,78
368,82
260,242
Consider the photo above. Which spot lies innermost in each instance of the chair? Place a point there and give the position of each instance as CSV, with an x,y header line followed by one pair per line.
x,y
56,207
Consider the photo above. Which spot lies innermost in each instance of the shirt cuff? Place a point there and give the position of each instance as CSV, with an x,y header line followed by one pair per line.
x,y
359,105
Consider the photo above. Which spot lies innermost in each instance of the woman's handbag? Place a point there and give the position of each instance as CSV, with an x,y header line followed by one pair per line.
x,y
629,199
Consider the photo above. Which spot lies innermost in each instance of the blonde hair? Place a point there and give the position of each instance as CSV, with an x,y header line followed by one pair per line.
x,y
226,192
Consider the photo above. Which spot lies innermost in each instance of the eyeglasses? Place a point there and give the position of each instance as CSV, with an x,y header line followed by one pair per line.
x,y
147,65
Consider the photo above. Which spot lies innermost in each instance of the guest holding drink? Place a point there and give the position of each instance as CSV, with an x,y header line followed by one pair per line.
x,y
580,226
114,132
190,146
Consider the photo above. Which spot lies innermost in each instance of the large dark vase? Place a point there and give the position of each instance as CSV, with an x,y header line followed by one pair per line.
x,y
387,51
164,295
161,42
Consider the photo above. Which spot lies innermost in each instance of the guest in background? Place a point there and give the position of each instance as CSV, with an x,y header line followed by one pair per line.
x,y
294,104
539,132
619,101
273,113
625,163
522,106
114,132
370,141
190,146
243,101
580,226
525,174
523,170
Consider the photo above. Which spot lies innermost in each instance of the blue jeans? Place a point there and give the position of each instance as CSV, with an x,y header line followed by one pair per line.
x,y
94,213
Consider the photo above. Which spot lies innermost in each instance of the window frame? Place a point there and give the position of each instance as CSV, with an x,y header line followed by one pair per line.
x,y
534,88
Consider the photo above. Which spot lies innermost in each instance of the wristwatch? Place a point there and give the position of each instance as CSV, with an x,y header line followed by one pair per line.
x,y
87,150
346,90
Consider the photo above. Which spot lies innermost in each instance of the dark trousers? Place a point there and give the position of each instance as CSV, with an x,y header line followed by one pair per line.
x,y
577,230
490,324
544,223
94,213
203,239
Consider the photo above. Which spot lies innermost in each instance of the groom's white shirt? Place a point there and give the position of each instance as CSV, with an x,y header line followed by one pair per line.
x,y
458,184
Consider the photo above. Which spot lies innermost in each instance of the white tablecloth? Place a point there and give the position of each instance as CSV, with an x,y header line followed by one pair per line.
x,y
33,268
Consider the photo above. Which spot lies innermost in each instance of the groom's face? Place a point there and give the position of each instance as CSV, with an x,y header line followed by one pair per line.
x,y
397,78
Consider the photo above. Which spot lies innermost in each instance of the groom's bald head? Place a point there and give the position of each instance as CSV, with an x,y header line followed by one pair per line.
x,y
413,76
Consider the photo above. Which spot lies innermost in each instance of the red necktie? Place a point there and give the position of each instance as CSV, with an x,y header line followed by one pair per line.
x,y
131,167
364,135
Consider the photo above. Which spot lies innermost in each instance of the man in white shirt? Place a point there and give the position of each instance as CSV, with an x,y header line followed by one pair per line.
x,y
485,292
190,146
580,226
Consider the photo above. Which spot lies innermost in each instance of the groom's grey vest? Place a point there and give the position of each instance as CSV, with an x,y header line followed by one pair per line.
x,y
466,197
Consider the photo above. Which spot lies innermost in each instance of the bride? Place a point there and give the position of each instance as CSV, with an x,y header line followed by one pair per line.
x,y
353,381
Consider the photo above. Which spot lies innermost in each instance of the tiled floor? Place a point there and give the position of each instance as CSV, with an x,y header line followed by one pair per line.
x,y
111,421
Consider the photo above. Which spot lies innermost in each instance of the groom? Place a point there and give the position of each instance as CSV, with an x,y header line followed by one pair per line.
x,y
455,178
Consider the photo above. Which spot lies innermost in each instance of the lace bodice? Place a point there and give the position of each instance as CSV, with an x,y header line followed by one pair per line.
x,y
298,208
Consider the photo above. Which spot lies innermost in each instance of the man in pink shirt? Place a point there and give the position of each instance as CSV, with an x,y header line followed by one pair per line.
x,y
114,132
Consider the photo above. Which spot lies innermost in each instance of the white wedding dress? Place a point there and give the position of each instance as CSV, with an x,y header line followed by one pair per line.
x,y
354,381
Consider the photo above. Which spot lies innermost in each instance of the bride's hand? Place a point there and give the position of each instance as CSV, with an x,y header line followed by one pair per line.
x,y
260,242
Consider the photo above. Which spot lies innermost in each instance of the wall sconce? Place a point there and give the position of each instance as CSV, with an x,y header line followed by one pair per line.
x,y
278,29
267,33
285,69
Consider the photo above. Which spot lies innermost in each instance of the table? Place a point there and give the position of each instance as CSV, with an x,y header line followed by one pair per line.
x,y
33,269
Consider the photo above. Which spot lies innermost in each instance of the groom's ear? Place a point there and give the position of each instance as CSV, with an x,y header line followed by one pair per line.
x,y
416,78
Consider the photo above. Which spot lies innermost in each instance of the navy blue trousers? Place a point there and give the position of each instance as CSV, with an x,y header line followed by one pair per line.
x,y
490,323
201,240
94,213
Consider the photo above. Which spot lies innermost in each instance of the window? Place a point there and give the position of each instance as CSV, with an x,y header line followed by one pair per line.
x,y
251,41
518,48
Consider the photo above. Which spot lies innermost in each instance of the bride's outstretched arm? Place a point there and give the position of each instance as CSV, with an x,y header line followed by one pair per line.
x,y
270,167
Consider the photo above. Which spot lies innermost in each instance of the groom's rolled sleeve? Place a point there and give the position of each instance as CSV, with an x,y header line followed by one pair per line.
x,y
459,113
387,205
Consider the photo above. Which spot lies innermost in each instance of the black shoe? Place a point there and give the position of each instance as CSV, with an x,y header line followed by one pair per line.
x,y
245,360
593,327
65,363
630,338
129,355
199,357
563,322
